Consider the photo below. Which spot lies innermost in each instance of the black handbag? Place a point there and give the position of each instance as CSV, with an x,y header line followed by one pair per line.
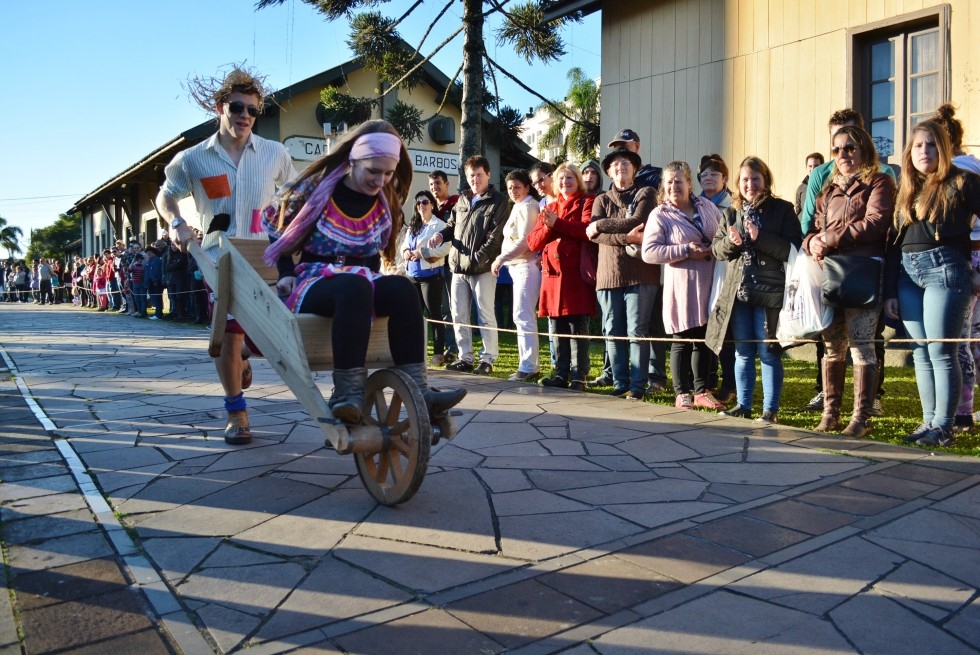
x,y
761,287
851,281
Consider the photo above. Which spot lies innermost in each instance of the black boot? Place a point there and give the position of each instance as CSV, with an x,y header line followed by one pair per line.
x,y
438,402
347,400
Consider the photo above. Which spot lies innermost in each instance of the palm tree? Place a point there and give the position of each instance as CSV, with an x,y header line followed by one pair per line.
x,y
10,238
582,109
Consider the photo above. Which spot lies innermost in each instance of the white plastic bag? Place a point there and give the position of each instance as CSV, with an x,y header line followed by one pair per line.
x,y
804,315
717,283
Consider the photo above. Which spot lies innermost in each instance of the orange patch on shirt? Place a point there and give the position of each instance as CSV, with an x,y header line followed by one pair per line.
x,y
216,187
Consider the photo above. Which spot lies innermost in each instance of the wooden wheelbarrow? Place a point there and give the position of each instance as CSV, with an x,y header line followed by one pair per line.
x,y
391,445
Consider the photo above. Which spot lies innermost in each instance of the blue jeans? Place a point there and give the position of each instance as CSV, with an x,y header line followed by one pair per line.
x,y
748,323
934,291
626,313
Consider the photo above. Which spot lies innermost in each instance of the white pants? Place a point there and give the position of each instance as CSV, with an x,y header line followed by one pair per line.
x,y
482,288
527,287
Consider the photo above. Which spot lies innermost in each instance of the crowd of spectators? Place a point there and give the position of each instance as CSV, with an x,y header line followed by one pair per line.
x,y
127,278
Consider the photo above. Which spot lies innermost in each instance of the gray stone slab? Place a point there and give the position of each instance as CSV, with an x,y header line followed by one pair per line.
x,y
502,480
652,515
647,491
562,480
252,589
226,626
36,528
966,624
771,474
177,556
41,505
436,518
919,587
533,501
434,631
419,568
941,541
333,591
231,510
682,557
659,448
868,621
804,583
802,516
313,529
543,536
966,503
60,551
725,623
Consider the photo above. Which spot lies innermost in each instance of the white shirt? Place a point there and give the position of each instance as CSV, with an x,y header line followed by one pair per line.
x,y
218,186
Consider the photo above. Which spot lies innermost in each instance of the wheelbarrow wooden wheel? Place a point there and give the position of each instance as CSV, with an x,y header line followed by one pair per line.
x,y
394,403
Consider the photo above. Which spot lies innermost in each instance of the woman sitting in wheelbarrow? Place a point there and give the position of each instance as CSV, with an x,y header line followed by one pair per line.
x,y
343,215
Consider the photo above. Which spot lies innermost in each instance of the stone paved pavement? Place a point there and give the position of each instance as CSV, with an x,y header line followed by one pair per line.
x,y
554,522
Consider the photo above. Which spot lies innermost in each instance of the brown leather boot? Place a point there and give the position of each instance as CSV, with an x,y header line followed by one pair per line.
x,y
865,385
833,387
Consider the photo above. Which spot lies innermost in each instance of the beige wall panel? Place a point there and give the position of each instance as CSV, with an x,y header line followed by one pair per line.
x,y
807,12
857,13
760,24
790,13
642,42
718,28
689,28
637,113
727,107
876,10
738,109
611,34
665,39
746,27
965,73
711,108
663,120
709,19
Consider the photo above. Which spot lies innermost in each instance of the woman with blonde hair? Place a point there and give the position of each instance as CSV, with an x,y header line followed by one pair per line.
x,y
853,213
929,281
568,297
678,235
342,215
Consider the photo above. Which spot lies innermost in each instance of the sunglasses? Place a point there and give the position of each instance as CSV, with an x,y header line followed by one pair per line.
x,y
847,150
238,107
422,201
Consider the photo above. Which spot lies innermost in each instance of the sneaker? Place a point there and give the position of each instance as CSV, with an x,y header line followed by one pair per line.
x,y
460,366
450,357
768,417
737,412
724,395
154,318
556,381
437,360
521,376
707,401
815,404
619,393
577,386
917,433
683,401
601,381
484,368
656,387
963,423
876,409
937,437
636,395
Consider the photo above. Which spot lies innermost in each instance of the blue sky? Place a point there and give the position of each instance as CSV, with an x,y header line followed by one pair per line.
x,y
93,86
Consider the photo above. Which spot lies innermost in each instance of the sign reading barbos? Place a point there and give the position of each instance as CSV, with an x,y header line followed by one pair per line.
x,y
426,161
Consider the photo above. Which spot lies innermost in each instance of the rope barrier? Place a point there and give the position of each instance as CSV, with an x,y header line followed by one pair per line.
x,y
687,340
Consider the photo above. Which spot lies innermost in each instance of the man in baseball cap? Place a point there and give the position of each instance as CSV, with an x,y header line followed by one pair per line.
x,y
648,175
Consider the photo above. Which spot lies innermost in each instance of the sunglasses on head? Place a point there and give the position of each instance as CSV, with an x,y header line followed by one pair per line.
x,y
238,107
422,201
847,149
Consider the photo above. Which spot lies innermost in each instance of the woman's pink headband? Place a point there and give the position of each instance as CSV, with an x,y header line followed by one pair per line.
x,y
376,144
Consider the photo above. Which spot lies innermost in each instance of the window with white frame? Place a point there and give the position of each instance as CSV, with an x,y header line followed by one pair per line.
x,y
900,75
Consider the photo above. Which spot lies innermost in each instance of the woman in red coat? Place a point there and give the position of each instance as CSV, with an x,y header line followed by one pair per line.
x,y
568,258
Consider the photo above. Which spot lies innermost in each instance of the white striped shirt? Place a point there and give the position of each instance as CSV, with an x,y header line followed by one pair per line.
x,y
218,186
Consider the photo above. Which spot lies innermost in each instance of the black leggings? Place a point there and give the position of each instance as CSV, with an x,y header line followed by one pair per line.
x,y
689,361
349,299
430,294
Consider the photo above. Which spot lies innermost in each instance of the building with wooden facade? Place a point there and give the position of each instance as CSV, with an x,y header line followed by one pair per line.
x,y
761,77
